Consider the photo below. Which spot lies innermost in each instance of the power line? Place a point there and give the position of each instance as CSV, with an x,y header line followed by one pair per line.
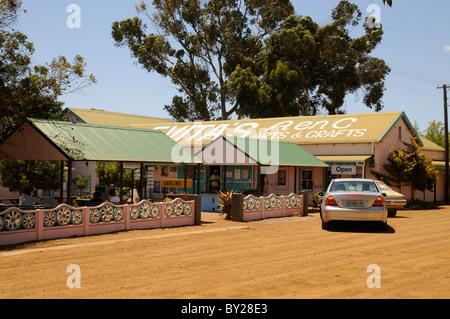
x,y
413,75
411,89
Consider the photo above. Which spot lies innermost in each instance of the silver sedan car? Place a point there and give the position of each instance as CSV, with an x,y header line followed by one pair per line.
x,y
353,200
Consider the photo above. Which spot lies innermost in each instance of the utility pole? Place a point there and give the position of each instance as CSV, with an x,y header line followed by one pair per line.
x,y
446,176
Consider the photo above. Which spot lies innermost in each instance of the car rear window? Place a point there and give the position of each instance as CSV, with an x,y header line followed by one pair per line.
x,y
354,186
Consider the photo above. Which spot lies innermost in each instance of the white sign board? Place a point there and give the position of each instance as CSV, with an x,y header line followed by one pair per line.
x,y
343,169
131,165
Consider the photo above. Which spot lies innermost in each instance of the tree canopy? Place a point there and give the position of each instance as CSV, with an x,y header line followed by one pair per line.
x,y
254,58
109,174
309,69
409,166
28,90
21,175
435,132
197,45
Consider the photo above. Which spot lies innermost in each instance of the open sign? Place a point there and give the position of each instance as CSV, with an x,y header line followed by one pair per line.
x,y
343,169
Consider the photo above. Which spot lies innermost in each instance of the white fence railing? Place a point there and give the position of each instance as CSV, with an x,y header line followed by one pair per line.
x,y
255,208
18,225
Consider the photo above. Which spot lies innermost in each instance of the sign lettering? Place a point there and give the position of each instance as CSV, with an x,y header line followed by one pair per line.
x,y
343,169
179,183
295,131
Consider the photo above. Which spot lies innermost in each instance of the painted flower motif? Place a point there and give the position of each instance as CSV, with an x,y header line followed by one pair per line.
x,y
13,220
155,211
266,203
257,203
169,210
144,210
251,202
287,202
178,207
134,212
293,201
63,216
273,201
28,220
278,202
94,216
107,213
49,219
118,214
77,217
187,208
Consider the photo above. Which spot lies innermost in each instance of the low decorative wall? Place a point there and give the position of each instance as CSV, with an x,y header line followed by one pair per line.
x,y
18,226
256,208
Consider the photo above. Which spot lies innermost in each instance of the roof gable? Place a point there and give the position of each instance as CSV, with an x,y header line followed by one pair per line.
x,y
79,141
226,150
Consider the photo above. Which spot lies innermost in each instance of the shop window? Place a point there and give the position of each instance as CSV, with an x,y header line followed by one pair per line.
x,y
306,182
282,177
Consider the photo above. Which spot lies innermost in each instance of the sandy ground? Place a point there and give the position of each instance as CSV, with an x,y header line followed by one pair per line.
x,y
276,258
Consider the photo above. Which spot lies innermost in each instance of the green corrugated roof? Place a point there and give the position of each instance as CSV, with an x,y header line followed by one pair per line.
x,y
80,141
274,152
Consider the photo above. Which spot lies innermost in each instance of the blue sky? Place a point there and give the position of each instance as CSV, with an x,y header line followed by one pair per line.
x,y
416,45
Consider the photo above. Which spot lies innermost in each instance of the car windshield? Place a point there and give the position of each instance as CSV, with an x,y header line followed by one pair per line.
x,y
383,186
354,186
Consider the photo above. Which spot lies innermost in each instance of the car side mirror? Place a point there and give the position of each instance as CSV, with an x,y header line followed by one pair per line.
x,y
320,193
384,195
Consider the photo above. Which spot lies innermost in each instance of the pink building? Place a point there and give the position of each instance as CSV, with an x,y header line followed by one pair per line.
x,y
351,144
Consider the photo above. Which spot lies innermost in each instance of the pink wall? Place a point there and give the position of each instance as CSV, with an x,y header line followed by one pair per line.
x,y
380,150
274,187
18,226
256,208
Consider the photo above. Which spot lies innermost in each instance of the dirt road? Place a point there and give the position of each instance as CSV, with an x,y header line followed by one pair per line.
x,y
275,258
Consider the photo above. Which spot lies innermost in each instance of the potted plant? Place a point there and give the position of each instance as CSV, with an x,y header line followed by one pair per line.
x,y
225,199
316,199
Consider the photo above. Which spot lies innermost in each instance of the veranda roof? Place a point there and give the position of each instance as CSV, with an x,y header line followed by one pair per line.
x,y
58,140
232,150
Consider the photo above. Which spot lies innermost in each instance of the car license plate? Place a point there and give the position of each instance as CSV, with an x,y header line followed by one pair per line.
x,y
354,203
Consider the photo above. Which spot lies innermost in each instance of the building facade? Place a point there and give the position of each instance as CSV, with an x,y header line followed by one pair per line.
x,y
352,145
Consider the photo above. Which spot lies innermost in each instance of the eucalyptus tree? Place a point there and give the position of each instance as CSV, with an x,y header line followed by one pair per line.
x,y
310,69
28,90
198,44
